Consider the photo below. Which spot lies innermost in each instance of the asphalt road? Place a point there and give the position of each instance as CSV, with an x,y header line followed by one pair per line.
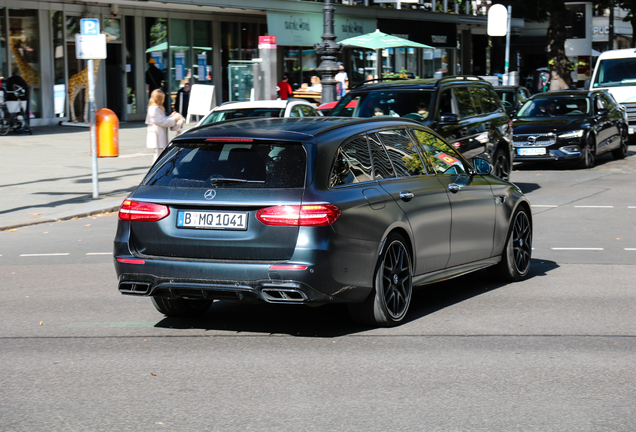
x,y
552,353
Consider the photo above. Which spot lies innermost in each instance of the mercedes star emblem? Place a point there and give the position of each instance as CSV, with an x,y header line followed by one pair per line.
x,y
209,194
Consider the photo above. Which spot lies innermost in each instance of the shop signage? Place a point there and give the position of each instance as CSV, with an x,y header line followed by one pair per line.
x,y
267,42
306,29
202,63
89,26
179,65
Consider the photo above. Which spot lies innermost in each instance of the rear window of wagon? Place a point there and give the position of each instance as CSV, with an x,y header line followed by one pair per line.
x,y
230,165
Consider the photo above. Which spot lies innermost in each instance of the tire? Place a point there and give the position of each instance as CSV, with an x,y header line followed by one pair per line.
x,y
623,148
517,253
180,307
501,165
588,157
388,302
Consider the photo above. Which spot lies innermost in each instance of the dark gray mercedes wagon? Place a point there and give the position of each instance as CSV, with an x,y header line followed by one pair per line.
x,y
312,211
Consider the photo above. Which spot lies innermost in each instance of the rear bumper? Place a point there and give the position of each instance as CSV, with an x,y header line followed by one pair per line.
x,y
344,273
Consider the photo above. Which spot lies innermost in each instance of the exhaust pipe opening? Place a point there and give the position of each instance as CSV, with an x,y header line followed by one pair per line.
x,y
136,288
283,295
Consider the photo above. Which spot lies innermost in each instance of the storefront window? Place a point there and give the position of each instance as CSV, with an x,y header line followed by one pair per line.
x,y
3,46
112,29
59,61
249,41
180,70
77,95
229,51
291,66
131,89
202,61
24,43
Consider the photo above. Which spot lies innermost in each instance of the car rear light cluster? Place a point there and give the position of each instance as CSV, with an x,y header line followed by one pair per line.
x,y
305,215
142,211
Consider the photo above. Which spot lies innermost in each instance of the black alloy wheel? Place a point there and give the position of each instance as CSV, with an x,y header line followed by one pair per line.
x,y
517,254
180,307
389,301
588,154
501,165
623,148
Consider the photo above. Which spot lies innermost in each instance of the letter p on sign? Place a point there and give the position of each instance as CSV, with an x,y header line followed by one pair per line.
x,y
89,26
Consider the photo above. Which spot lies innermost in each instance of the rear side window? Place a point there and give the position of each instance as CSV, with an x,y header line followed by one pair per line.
x,y
309,111
444,158
403,153
464,102
352,163
382,167
230,165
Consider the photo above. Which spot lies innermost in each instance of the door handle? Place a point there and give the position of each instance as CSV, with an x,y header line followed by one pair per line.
x,y
406,196
454,187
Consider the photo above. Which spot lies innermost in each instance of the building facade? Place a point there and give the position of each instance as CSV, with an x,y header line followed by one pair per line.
x,y
210,42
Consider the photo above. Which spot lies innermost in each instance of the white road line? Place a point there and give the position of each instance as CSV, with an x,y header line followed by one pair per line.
x,y
49,254
580,249
539,205
630,249
99,253
631,206
594,206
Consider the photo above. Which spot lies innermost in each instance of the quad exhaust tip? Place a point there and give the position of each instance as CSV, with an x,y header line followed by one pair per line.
x,y
137,288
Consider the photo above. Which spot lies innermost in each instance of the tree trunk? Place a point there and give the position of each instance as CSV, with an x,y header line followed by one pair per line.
x,y
559,64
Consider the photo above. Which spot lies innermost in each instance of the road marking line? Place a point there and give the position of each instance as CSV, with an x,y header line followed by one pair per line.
x,y
594,206
581,249
539,205
46,254
634,249
631,206
99,253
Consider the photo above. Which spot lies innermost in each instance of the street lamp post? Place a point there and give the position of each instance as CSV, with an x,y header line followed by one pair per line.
x,y
327,50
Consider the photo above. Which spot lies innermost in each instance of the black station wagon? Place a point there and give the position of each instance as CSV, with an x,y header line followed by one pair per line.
x,y
312,211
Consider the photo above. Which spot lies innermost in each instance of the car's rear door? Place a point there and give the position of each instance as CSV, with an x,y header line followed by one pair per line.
x,y
419,194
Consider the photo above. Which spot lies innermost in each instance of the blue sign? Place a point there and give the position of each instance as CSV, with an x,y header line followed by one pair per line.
x,y
89,26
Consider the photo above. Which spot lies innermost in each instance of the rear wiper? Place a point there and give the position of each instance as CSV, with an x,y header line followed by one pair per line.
x,y
217,180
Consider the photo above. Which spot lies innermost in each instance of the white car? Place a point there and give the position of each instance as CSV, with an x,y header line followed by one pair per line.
x,y
261,108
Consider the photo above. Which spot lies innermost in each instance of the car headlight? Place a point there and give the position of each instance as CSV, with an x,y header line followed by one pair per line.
x,y
573,134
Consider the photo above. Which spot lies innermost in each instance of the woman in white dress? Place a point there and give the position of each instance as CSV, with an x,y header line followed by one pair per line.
x,y
158,122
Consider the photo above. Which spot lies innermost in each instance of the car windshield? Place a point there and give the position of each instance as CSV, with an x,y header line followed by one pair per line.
x,y
230,164
229,114
616,73
414,104
555,107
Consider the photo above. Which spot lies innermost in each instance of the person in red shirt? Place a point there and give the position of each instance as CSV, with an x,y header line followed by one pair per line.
x,y
284,88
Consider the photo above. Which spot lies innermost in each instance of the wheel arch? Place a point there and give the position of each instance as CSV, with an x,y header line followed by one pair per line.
x,y
402,232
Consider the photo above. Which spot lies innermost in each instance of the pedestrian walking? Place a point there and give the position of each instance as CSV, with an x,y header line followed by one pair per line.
x,y
182,100
284,88
342,79
158,122
154,77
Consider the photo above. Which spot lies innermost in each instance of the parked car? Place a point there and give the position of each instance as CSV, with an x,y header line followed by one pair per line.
x,y
326,108
512,97
313,211
464,110
571,125
262,108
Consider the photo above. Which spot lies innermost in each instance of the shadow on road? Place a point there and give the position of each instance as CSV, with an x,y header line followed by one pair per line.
x,y
333,320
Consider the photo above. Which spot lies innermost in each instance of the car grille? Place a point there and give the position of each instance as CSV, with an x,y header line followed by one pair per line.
x,y
630,107
534,140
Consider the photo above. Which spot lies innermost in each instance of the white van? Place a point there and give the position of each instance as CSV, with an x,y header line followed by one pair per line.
x,y
615,71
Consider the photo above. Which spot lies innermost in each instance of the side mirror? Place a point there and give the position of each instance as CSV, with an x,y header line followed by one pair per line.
x,y
602,112
448,118
482,166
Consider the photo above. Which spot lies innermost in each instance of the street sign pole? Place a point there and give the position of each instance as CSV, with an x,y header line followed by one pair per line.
x,y
91,45
93,131
506,78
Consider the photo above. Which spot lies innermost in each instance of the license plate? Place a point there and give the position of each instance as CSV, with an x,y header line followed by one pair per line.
x,y
212,220
531,151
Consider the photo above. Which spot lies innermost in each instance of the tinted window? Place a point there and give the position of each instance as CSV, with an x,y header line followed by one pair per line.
x,y
396,103
382,167
352,163
445,103
464,102
402,152
443,157
295,111
615,72
486,98
201,165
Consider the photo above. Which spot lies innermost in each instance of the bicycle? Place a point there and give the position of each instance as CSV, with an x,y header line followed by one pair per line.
x,y
13,116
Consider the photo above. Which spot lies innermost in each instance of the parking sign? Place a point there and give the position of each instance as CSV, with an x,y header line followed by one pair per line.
x,y
89,26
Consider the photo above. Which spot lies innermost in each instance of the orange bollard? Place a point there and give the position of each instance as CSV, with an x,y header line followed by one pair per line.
x,y
107,133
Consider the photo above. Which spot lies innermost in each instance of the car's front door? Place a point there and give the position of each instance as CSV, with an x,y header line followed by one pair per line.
x,y
472,201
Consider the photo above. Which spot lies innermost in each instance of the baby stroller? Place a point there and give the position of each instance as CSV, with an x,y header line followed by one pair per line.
x,y
13,110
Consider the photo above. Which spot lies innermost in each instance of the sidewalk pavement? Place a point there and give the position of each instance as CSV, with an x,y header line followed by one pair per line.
x,y
47,176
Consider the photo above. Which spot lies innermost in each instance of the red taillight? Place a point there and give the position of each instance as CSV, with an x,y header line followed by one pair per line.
x,y
142,211
306,215
229,139
288,267
130,261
